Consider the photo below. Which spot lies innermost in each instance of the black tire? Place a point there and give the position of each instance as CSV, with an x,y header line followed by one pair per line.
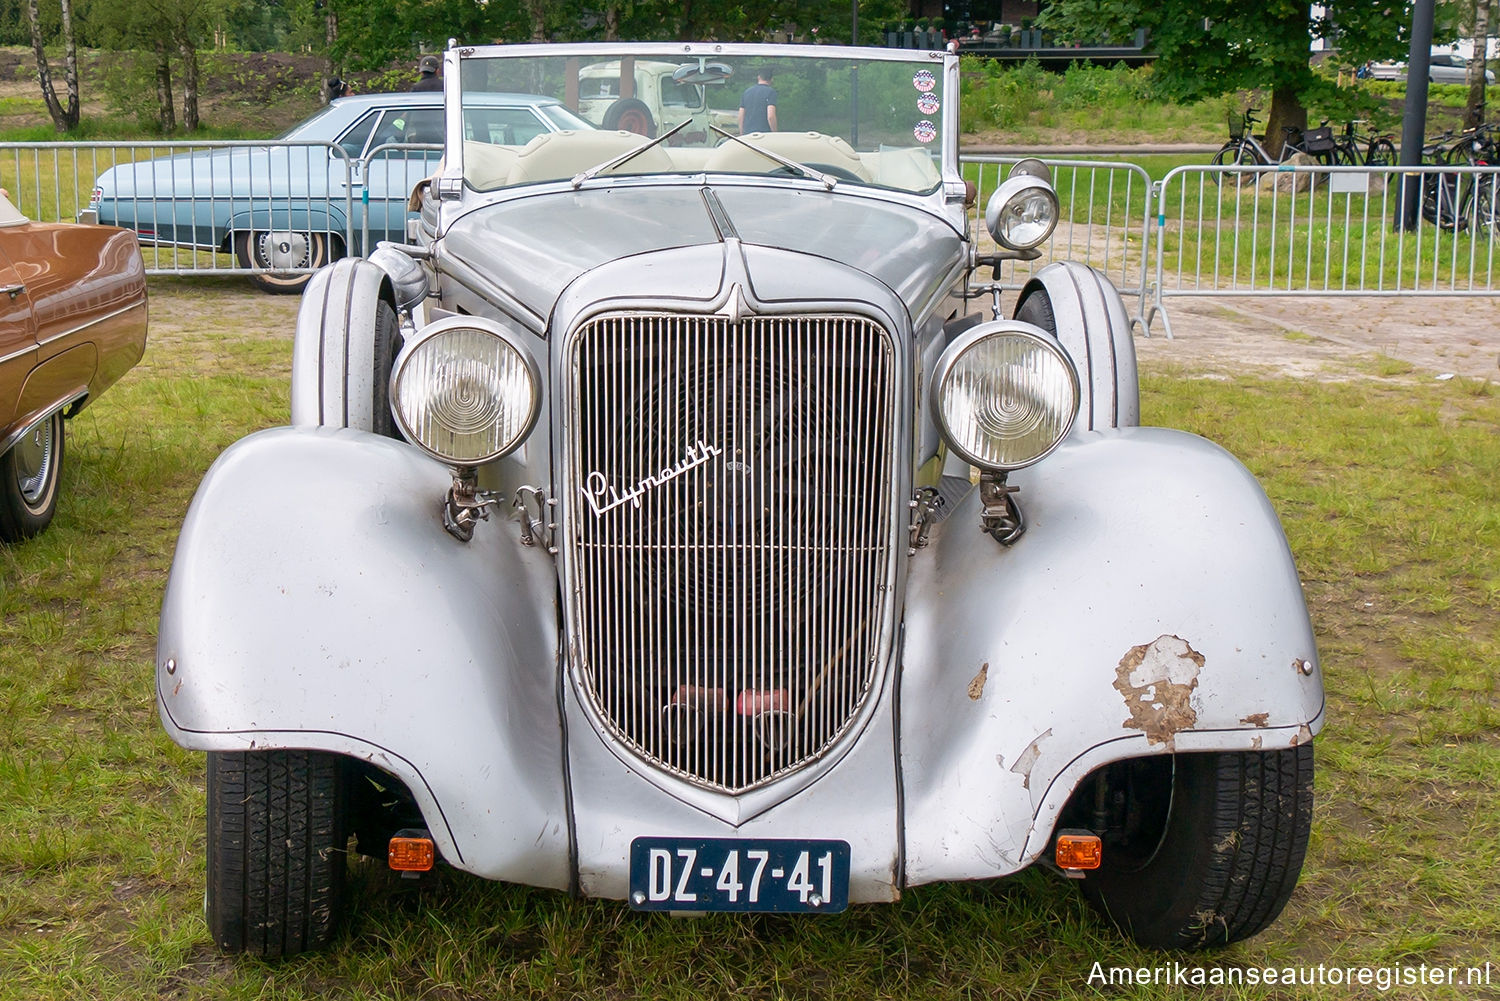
x,y
276,847
1224,861
388,341
267,252
1382,153
1233,154
29,475
630,115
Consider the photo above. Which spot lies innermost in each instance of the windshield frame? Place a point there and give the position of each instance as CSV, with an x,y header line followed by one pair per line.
x,y
943,65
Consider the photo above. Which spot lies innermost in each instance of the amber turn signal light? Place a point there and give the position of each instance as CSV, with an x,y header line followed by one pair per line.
x,y
1079,850
411,853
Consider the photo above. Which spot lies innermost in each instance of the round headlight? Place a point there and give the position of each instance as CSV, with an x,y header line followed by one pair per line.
x,y
1022,212
1004,395
464,391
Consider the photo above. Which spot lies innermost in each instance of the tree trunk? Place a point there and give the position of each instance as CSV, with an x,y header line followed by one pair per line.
x,y
1474,77
64,118
536,10
166,116
612,22
1286,111
189,86
70,62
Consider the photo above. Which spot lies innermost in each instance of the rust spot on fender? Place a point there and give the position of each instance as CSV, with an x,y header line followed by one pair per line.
x,y
1257,719
1027,758
976,687
1157,681
1302,736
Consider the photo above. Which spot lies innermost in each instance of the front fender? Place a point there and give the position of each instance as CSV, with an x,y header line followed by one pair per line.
x,y
315,601
1152,606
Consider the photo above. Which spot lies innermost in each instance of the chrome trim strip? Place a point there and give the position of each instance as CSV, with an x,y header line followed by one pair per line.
x,y
94,322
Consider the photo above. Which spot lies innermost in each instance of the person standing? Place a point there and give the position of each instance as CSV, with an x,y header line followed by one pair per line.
x,y
430,79
758,105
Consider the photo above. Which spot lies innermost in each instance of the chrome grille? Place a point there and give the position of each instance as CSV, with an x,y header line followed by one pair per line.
x,y
730,534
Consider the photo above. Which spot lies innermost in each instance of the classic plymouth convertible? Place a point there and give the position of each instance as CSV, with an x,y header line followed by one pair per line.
x,y
72,321
681,521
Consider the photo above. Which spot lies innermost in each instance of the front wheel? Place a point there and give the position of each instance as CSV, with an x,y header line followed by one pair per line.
x,y
1214,849
1382,153
276,847
273,254
1234,155
29,474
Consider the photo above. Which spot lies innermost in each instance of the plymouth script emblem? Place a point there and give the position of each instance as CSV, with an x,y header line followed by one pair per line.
x,y
602,497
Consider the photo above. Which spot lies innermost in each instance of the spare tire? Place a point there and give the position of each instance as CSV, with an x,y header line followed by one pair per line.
x,y
630,115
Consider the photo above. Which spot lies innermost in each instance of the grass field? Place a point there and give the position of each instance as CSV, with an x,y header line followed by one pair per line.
x,y
1389,489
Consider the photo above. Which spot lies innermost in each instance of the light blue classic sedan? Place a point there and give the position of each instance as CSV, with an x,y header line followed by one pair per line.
x,y
292,206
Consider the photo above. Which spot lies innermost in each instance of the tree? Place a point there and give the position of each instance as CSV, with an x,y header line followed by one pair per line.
x,y
1474,77
64,117
1210,47
168,32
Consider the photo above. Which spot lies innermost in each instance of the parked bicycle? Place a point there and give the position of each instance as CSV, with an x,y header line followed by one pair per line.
x,y
1244,150
1459,200
1371,150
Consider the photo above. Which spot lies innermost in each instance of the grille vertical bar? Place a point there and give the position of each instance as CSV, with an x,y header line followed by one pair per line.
x,y
733,485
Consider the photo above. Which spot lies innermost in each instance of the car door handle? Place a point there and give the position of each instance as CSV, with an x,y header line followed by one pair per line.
x,y
13,290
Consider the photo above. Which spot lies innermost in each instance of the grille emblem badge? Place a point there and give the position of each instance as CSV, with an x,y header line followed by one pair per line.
x,y
603,498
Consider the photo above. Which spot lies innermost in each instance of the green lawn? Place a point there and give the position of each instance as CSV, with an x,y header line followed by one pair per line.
x,y
1390,493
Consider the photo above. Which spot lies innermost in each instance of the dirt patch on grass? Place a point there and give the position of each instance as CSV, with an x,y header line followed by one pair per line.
x,y
1407,338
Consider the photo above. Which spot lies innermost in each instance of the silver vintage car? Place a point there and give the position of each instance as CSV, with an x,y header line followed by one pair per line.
x,y
681,521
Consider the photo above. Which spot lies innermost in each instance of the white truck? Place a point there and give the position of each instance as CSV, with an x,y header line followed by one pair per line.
x,y
651,96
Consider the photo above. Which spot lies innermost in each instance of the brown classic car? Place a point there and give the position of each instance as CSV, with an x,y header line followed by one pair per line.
x,y
72,321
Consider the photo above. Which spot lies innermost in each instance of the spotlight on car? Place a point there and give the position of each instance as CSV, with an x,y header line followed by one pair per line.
x,y
1022,212
465,391
1005,395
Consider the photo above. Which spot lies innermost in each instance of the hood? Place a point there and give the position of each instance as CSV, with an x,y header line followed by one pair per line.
x,y
535,247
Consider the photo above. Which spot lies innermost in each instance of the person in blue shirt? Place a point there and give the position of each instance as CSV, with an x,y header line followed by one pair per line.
x,y
758,105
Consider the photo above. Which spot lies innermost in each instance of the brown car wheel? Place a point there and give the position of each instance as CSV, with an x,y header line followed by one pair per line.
x,y
271,253
29,473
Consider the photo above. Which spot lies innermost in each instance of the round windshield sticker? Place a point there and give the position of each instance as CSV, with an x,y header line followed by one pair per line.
x,y
924,81
927,104
925,132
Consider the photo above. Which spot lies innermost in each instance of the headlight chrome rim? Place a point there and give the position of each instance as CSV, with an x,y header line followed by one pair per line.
x,y
436,348
1017,191
1019,333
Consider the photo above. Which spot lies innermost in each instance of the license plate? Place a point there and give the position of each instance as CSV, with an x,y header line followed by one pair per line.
x,y
735,874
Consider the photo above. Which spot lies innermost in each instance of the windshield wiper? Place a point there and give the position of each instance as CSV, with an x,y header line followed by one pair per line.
x,y
626,156
827,180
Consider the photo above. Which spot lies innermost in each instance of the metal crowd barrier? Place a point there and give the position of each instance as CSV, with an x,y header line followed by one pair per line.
x,y
1323,231
1202,230
198,207
387,174
1104,220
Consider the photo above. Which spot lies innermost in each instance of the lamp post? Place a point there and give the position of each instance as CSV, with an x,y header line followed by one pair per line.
x,y
1414,119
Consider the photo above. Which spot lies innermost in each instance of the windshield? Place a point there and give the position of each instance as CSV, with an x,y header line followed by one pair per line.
x,y
860,120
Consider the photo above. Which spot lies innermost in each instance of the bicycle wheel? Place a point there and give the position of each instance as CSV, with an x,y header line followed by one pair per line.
x,y
1235,155
1440,200
1381,153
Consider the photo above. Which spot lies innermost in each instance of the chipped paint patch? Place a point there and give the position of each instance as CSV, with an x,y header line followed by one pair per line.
x,y
976,687
1257,719
1255,743
1157,681
1027,758
1302,736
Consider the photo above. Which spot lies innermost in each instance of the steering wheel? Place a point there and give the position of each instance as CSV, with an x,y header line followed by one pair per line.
x,y
833,170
